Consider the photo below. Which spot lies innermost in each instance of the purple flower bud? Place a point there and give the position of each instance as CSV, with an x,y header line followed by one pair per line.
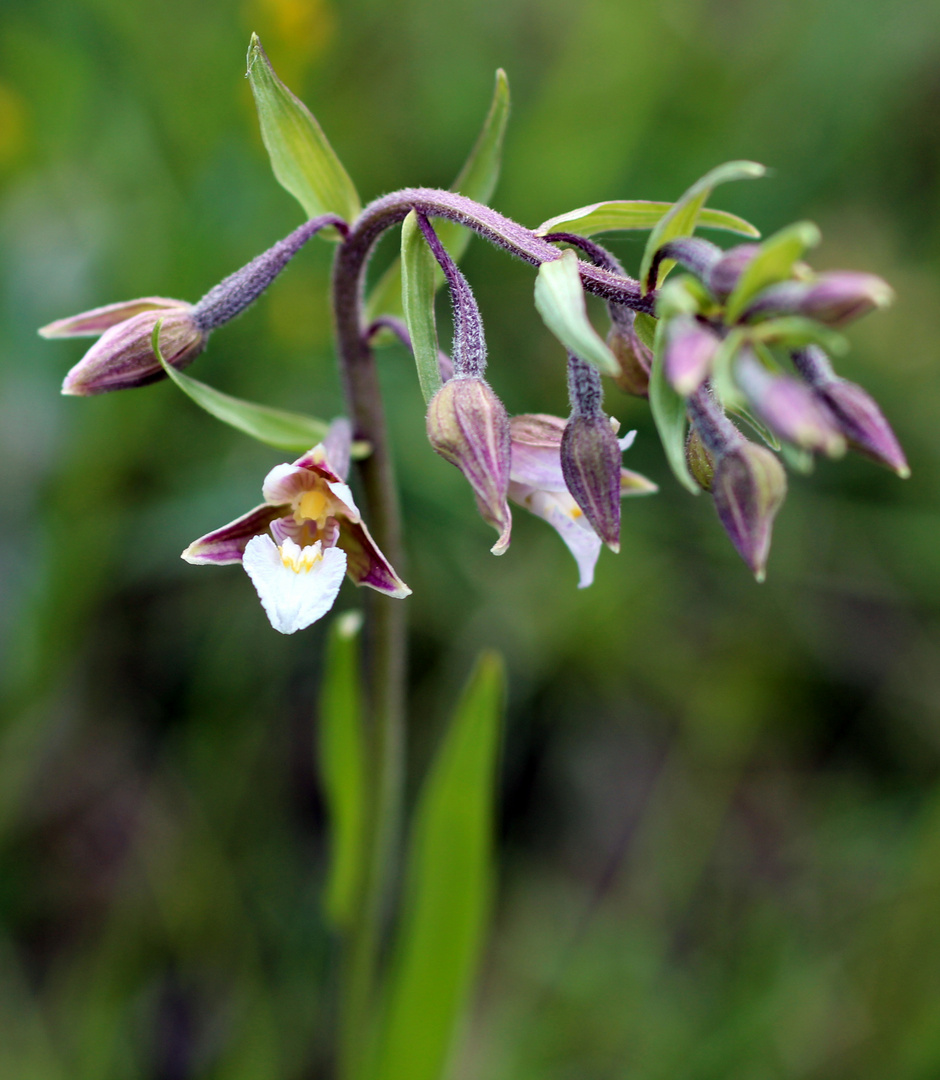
x,y
123,356
834,299
857,415
788,407
690,346
700,462
467,424
837,298
590,464
634,358
723,275
748,487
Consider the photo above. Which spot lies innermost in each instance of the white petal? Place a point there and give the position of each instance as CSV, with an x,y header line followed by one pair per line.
x,y
562,513
293,600
285,482
627,441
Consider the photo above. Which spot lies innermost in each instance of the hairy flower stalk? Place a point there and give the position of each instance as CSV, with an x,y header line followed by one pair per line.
x,y
124,358
467,423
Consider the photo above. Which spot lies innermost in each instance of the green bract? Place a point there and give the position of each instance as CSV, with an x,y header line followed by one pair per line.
x,y
621,214
301,157
559,298
682,218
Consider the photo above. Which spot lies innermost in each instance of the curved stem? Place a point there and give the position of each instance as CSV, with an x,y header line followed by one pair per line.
x,y
492,226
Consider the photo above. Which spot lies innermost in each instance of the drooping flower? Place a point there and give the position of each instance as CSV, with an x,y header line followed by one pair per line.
x,y
296,545
536,482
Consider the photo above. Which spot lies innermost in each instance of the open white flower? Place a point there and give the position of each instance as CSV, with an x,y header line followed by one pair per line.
x,y
297,585
299,542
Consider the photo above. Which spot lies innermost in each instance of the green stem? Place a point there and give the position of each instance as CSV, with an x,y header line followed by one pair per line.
x,y
385,732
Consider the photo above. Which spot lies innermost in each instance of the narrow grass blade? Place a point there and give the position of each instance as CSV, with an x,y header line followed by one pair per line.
x,y
417,295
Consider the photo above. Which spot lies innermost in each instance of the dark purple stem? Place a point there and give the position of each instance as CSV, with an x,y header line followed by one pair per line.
x,y
231,296
620,315
469,343
691,252
398,328
585,389
715,429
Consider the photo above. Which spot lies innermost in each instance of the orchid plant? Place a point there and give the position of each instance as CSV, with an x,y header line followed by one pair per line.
x,y
731,347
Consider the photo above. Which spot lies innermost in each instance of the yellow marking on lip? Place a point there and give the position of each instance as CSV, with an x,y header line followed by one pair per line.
x,y
301,560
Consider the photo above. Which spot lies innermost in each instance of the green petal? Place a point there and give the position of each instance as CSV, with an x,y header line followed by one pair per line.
x,y
301,157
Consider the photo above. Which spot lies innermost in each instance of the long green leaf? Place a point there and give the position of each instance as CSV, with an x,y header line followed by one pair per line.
x,y
477,180
448,887
417,294
795,331
669,414
773,263
342,766
274,427
620,214
681,219
559,298
301,157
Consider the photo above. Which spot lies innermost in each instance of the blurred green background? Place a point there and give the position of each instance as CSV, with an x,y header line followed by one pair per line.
x,y
720,804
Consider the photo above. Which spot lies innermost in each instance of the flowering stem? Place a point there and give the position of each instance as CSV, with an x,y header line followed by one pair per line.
x,y
386,643
386,617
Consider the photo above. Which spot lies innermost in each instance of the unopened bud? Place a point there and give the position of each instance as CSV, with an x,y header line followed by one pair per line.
x,y
699,461
590,464
749,486
788,407
723,275
834,299
123,356
840,297
467,424
633,358
863,424
690,347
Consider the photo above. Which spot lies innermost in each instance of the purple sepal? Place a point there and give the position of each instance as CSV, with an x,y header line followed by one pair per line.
x,y
227,545
365,564
337,445
123,356
590,464
95,322
690,347
536,451
863,424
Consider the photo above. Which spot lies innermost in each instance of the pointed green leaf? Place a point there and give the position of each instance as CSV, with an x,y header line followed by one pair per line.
x,y
795,331
477,180
559,298
448,887
301,157
773,263
681,219
274,427
618,214
417,294
343,766
645,326
669,414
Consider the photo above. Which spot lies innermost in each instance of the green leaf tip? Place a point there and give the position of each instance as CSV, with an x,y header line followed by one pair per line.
x,y
477,180
273,427
559,298
301,156
682,219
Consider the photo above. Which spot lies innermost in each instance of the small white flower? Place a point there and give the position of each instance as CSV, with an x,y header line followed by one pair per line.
x,y
296,585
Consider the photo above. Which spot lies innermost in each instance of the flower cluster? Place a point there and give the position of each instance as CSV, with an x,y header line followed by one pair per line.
x,y
745,332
